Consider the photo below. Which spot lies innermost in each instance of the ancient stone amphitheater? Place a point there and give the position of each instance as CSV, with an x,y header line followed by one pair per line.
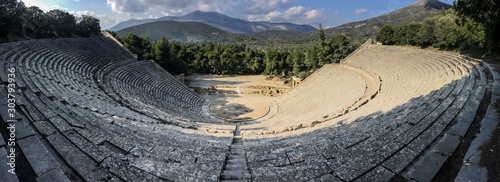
x,y
87,110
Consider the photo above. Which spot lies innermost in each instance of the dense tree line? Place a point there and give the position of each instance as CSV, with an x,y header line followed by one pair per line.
x,y
484,12
445,31
240,59
468,25
20,22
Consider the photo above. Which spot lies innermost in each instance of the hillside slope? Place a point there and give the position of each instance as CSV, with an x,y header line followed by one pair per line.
x,y
358,31
223,22
179,31
415,12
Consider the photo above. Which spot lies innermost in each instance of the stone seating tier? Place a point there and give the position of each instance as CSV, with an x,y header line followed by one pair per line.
x,y
94,113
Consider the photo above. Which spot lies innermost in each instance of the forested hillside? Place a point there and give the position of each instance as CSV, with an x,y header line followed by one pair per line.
x,y
228,59
180,31
415,12
470,25
19,22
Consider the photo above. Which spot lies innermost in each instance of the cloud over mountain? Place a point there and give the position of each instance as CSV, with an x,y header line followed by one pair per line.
x,y
360,11
253,10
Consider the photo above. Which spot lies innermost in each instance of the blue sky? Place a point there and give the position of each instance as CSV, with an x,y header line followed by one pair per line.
x,y
327,12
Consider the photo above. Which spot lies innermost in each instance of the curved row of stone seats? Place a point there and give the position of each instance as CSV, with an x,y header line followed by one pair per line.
x,y
417,74
145,86
81,133
357,150
411,141
72,76
393,75
320,97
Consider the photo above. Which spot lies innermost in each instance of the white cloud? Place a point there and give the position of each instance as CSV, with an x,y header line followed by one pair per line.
x,y
273,16
80,13
253,10
130,6
263,6
314,14
43,5
298,15
360,11
167,7
295,11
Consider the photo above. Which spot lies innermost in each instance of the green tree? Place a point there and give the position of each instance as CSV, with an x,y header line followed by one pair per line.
x,y
472,34
311,60
62,23
486,13
412,33
134,44
426,35
161,51
88,26
146,47
272,59
298,61
35,23
10,17
321,36
385,35
341,46
446,32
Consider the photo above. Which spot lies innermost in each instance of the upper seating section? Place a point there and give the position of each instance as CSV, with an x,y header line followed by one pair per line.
x,y
328,93
82,65
375,79
425,106
146,87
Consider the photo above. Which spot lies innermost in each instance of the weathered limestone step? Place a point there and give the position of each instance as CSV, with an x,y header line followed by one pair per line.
x,y
3,73
425,169
5,175
235,167
98,153
42,162
377,174
3,94
472,168
23,128
233,174
53,176
82,164
2,141
120,166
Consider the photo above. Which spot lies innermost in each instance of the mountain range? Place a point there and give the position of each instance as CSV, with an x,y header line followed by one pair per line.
x,y
215,27
415,12
220,21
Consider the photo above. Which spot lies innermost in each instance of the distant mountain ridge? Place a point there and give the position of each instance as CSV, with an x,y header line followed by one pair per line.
x,y
220,21
209,32
415,12
179,31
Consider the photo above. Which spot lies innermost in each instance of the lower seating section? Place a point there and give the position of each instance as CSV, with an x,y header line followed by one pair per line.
x,y
145,86
321,97
70,129
376,79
